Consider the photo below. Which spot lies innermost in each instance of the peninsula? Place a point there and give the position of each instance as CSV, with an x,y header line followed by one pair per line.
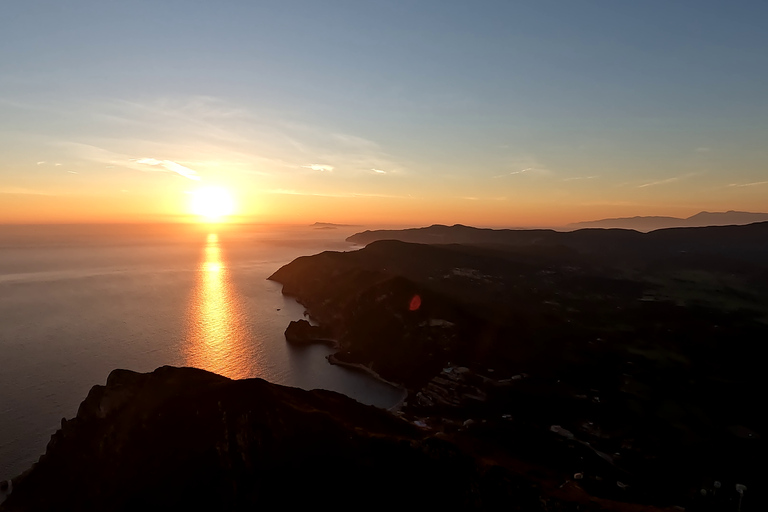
x,y
545,371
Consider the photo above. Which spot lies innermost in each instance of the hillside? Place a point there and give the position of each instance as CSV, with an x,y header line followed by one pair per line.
x,y
701,219
748,243
185,439
645,348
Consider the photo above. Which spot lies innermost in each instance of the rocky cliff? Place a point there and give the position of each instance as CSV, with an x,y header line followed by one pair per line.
x,y
186,439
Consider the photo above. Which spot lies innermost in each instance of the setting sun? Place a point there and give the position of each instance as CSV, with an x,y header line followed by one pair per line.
x,y
212,203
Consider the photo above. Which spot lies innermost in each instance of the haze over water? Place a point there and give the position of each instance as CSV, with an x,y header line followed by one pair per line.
x,y
77,302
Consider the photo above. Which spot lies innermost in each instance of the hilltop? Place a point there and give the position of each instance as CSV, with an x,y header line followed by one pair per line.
x,y
748,242
701,219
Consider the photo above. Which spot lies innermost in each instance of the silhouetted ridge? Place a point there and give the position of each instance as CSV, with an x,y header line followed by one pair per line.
x,y
701,219
185,439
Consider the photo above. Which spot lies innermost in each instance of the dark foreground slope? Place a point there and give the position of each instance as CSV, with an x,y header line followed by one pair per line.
x,y
635,365
185,439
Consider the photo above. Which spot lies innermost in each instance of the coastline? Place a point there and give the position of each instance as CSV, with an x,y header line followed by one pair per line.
x,y
332,359
101,266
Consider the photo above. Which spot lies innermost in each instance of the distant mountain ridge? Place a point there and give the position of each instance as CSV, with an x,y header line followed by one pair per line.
x,y
701,219
744,243
321,225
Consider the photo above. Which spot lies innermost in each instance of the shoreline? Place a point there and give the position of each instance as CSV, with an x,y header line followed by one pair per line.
x,y
332,359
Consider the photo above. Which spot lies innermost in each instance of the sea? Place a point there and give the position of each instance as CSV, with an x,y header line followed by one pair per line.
x,y
78,301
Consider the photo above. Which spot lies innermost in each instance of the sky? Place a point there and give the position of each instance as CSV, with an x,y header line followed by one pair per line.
x,y
490,113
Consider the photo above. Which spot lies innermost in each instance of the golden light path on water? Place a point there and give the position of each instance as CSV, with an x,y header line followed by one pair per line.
x,y
218,337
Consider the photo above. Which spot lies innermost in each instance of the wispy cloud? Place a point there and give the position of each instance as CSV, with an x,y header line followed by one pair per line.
x,y
612,203
525,164
319,167
170,165
293,192
211,136
660,182
354,141
668,180
73,172
258,141
521,171
485,198
581,178
753,184
41,163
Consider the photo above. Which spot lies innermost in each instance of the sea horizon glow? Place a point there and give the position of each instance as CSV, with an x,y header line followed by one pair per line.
x,y
494,114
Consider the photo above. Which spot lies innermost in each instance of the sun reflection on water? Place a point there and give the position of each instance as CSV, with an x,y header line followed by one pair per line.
x,y
217,336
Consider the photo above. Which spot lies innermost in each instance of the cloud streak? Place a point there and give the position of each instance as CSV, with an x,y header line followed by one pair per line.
x,y
753,184
292,192
319,167
222,138
521,171
171,166
581,178
668,180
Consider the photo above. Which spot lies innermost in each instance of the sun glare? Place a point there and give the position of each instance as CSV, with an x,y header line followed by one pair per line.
x,y
212,203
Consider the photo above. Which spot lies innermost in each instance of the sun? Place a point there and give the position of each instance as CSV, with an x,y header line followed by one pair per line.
x,y
212,203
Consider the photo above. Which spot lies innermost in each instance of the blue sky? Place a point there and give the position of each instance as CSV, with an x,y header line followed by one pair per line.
x,y
473,110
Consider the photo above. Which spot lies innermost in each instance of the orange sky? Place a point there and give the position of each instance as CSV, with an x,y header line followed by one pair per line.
x,y
164,206
431,112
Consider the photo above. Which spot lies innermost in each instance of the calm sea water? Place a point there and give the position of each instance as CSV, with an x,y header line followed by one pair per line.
x,y
79,301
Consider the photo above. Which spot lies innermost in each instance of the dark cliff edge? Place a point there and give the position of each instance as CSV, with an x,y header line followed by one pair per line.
x,y
186,439
629,363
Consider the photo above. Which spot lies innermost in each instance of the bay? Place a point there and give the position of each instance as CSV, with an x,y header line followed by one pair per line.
x,y
79,301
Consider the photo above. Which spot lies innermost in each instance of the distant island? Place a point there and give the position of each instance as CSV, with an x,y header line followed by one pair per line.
x,y
701,219
330,225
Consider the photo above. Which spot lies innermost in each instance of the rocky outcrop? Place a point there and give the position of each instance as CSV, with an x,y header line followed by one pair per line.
x,y
302,332
186,439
